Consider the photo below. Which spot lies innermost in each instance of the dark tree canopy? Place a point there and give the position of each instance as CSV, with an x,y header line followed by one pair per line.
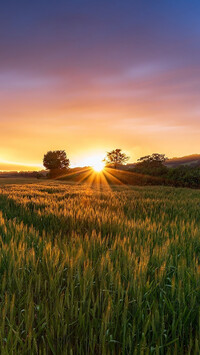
x,y
153,158
56,159
115,157
152,165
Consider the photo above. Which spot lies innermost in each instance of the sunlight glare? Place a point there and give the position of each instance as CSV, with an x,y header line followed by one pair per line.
x,y
98,166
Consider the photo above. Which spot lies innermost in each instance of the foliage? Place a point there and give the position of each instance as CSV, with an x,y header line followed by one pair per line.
x,y
89,270
184,176
56,160
151,165
158,170
154,158
116,157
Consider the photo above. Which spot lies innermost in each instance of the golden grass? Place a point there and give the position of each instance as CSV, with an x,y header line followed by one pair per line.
x,y
98,270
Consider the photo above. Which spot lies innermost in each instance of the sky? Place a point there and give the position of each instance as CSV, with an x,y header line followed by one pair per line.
x,y
90,76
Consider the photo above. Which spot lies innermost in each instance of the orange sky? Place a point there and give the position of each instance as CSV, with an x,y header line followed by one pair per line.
x,y
97,77
93,126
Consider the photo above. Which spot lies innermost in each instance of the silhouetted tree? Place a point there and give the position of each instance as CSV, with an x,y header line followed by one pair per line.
x,y
153,158
152,164
56,161
115,157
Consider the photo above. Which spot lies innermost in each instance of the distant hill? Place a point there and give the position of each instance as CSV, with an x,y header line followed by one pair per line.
x,y
25,174
191,160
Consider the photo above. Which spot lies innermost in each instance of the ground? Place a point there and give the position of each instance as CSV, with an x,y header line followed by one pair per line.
x,y
98,269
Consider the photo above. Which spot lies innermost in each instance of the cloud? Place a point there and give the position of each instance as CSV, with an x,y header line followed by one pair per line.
x,y
72,72
24,81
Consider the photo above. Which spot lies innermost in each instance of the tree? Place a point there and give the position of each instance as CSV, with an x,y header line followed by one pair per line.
x,y
56,161
152,164
116,157
153,158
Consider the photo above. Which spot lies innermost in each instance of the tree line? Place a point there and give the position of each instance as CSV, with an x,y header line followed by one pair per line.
x,y
57,163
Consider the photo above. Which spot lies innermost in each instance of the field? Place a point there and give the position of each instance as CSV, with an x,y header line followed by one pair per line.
x,y
111,177
99,270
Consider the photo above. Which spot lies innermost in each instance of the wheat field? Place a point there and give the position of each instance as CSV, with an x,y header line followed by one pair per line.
x,y
94,270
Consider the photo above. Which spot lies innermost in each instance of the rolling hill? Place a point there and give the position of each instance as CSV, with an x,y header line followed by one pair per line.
x,y
110,177
192,160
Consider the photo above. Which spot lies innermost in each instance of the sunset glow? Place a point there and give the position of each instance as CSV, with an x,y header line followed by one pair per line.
x,y
96,75
98,166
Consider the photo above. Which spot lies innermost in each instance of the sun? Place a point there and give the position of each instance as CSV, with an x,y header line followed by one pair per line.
x,y
94,161
98,166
